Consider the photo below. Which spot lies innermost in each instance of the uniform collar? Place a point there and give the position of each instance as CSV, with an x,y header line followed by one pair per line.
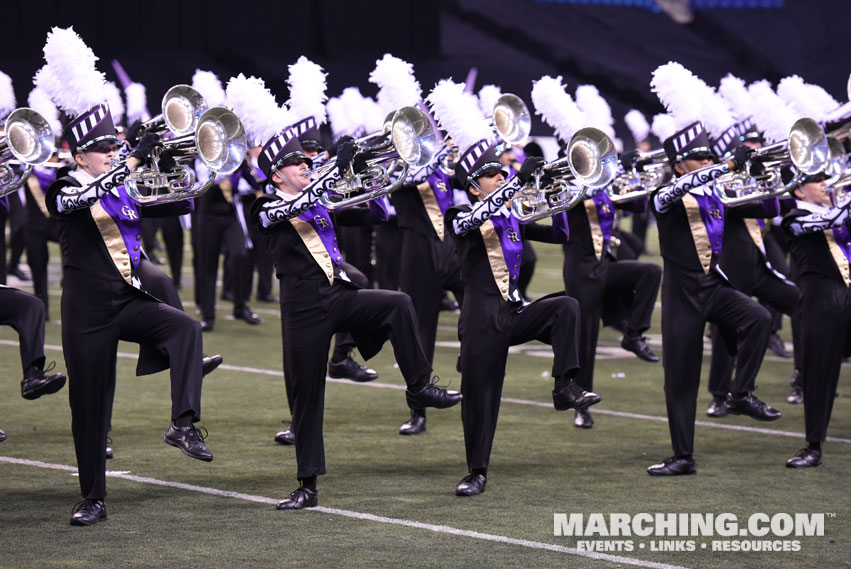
x,y
814,208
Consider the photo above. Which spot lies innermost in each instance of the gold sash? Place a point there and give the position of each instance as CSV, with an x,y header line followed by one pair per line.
x,y
698,232
315,245
596,232
37,194
432,209
495,257
113,240
838,256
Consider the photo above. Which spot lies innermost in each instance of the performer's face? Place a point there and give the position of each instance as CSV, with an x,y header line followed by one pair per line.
x,y
814,193
488,183
98,160
693,164
292,177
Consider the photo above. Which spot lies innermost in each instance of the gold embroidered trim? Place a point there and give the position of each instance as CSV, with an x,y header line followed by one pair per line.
x,y
432,209
113,240
594,223
838,256
37,194
315,245
698,232
495,257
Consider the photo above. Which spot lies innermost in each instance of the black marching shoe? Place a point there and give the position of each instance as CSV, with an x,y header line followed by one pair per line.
x,y
189,440
286,437
207,325
267,298
471,485
806,458
431,395
583,419
797,395
447,304
19,273
571,396
36,384
674,466
2,436
247,316
718,408
752,406
300,498
415,425
350,369
638,346
109,452
210,363
88,513
775,344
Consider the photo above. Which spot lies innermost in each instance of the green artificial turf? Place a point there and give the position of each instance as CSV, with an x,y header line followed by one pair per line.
x,y
541,465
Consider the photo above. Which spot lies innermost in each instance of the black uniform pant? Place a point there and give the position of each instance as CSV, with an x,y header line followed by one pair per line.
x,y
388,254
356,244
688,302
96,314
633,284
429,266
825,321
38,257
25,314
173,239
219,232
17,229
311,314
488,326
772,292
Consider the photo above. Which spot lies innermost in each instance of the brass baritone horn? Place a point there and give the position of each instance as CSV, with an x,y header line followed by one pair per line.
x,y
219,141
806,148
28,140
591,162
647,173
408,141
182,107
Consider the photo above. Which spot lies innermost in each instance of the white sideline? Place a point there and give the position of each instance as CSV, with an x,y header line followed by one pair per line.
x,y
624,414
360,516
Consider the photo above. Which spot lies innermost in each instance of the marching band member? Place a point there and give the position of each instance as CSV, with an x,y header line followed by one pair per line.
x,y
102,299
494,315
592,274
317,297
690,219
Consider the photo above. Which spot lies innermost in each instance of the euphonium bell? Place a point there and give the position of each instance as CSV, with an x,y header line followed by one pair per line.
x,y
591,162
182,107
29,140
219,141
408,141
806,148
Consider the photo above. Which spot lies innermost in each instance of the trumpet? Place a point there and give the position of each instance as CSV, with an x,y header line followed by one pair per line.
x,y
806,148
219,141
591,162
408,140
647,173
28,140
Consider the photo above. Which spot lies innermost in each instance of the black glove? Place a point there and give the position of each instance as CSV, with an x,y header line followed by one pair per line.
x,y
628,159
757,168
740,156
333,150
167,162
528,168
345,153
132,136
143,149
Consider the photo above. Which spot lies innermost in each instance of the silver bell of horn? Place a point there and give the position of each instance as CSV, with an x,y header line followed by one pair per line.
x,y
641,178
28,140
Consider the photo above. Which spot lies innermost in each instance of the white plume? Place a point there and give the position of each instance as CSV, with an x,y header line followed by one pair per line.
x,y
717,114
345,113
663,126
113,99
556,107
373,117
40,101
637,124
307,90
78,86
7,95
458,113
397,85
137,103
488,96
798,94
207,83
823,99
595,108
256,107
735,92
772,114
675,87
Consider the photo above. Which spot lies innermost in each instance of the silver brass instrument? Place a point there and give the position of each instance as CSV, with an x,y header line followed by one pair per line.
x,y
28,140
806,148
219,140
647,173
182,107
591,162
408,140
837,171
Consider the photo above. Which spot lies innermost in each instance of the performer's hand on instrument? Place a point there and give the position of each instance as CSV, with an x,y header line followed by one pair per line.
x,y
345,153
740,157
528,168
146,144
628,159
132,136
757,168
332,152
167,162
